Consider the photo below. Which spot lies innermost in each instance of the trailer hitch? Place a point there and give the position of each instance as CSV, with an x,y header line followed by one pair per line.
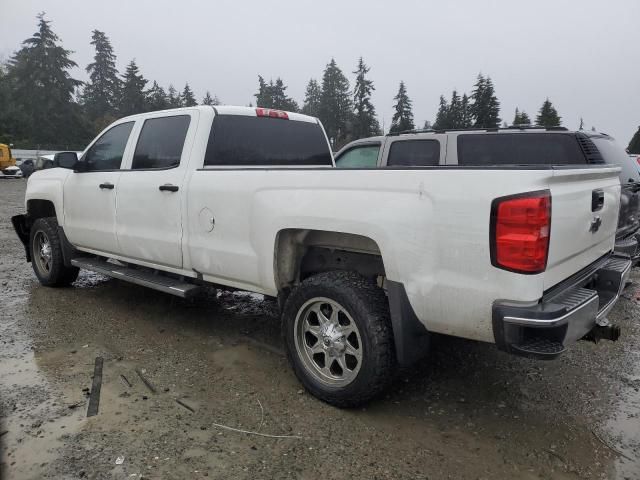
x,y
603,331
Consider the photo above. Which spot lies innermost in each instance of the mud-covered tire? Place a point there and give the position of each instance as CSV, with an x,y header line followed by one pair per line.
x,y
366,305
48,262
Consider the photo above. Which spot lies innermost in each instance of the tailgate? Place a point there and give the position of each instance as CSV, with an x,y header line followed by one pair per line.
x,y
584,215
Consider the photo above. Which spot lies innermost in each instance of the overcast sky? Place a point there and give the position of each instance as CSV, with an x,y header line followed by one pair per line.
x,y
582,54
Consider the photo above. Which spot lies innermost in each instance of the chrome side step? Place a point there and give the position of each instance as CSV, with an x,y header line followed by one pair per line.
x,y
144,278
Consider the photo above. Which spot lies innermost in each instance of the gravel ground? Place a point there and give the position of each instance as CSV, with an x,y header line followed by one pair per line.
x,y
465,411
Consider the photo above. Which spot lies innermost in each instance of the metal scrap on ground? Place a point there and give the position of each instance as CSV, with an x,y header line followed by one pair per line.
x,y
94,399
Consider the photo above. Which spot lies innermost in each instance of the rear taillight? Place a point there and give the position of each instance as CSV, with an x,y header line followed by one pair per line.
x,y
520,227
268,112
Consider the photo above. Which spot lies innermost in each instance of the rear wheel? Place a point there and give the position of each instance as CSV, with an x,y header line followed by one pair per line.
x,y
46,254
338,336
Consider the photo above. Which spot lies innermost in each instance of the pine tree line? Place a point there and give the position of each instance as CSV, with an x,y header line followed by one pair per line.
x,y
44,105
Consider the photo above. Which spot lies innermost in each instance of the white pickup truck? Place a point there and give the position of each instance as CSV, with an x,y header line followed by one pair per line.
x,y
366,263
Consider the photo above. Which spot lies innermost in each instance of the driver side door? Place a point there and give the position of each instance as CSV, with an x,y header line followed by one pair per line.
x,y
90,191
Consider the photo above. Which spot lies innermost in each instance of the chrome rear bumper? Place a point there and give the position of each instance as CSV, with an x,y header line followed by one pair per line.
x,y
564,314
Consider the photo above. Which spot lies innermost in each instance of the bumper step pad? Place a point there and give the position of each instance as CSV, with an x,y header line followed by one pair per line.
x,y
540,346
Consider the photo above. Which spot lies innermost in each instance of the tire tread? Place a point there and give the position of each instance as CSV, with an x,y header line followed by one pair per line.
x,y
369,300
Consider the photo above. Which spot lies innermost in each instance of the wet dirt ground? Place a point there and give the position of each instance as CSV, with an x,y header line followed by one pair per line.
x,y
465,411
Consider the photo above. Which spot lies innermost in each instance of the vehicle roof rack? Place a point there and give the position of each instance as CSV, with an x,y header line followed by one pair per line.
x,y
403,132
496,129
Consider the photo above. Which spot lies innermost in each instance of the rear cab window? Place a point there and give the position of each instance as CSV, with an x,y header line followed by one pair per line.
x,y
359,156
246,141
521,149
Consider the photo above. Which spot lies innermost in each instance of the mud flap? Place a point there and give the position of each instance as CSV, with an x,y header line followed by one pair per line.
x,y
22,229
411,338
68,250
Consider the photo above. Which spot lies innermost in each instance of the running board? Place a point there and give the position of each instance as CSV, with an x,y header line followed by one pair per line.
x,y
139,277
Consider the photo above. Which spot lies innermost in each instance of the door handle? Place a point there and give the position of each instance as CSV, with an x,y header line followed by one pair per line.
x,y
167,187
107,185
597,200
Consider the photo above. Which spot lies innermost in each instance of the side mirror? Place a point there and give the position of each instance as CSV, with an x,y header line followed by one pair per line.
x,y
65,160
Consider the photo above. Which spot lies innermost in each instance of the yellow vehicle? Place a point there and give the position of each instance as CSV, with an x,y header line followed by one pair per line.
x,y
6,160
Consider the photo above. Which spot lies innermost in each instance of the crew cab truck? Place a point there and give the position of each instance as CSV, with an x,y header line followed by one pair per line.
x,y
366,264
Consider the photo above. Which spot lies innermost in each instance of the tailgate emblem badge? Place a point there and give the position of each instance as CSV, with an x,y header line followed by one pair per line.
x,y
595,224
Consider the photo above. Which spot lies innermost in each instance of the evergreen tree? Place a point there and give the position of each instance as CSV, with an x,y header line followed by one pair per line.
x,y
187,98
335,105
365,123
42,91
634,144
7,116
516,117
485,107
427,125
173,97
264,96
133,98
101,94
548,115
403,117
521,118
280,99
455,111
312,98
466,113
156,98
208,100
272,95
442,117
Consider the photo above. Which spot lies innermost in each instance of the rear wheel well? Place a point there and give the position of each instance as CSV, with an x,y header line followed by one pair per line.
x,y
300,253
40,209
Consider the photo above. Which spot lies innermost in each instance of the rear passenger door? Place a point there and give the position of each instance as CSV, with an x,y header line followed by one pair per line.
x,y
414,152
150,194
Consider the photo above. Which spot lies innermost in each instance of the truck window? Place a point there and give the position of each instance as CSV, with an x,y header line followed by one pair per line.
x,y
414,153
241,140
364,156
106,153
161,142
519,149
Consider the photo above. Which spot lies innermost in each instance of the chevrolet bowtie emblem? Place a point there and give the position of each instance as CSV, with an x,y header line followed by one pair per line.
x,y
595,224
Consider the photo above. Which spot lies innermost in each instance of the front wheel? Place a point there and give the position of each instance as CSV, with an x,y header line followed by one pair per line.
x,y
46,254
338,337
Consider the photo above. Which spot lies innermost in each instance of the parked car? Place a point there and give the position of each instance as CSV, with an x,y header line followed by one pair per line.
x,y
366,264
377,152
628,232
11,172
27,167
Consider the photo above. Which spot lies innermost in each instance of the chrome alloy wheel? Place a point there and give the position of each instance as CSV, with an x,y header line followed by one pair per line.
x,y
328,342
42,252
